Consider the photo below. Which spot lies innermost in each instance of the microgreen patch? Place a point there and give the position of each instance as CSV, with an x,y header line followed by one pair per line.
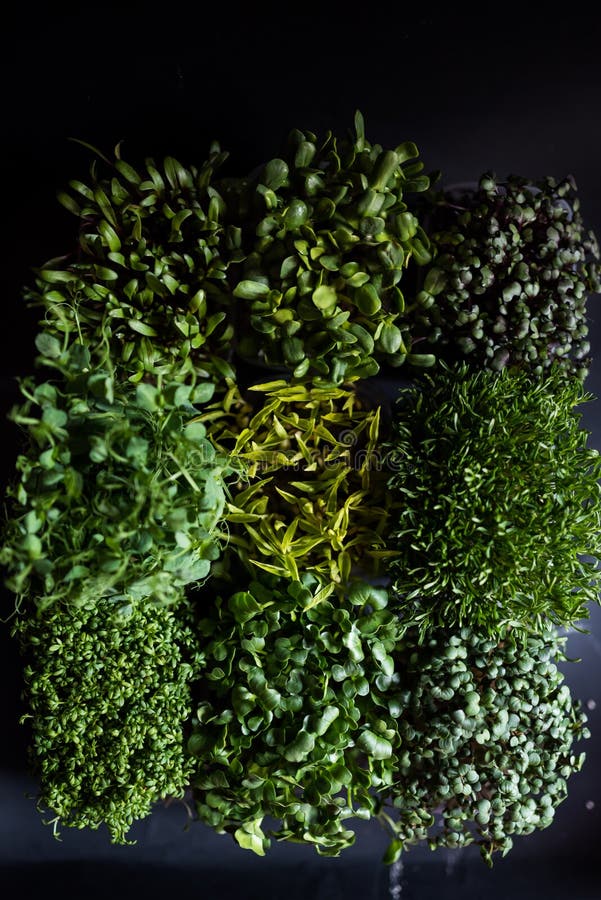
x,y
147,286
497,503
277,720
332,234
108,693
119,493
512,271
486,728
312,498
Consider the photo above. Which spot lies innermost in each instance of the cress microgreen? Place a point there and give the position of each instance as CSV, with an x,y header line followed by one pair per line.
x,y
496,500
108,695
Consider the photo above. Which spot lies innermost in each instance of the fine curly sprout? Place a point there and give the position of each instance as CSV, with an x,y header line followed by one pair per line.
x,y
495,502
109,700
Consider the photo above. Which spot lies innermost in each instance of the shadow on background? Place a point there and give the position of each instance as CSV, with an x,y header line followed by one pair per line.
x,y
97,880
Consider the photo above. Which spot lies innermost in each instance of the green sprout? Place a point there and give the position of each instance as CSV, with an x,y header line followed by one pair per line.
x,y
486,728
119,493
309,499
496,503
331,233
146,290
108,697
277,717
512,271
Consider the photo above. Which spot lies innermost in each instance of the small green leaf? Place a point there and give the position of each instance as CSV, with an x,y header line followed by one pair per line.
x,y
127,171
302,368
146,396
406,225
435,281
56,418
423,360
56,276
323,722
393,853
195,432
202,392
243,606
251,290
352,640
391,339
406,151
68,202
387,164
293,349
176,174
362,594
421,253
324,298
300,748
304,154
374,745
142,328
48,345
251,837
296,215
367,299
275,174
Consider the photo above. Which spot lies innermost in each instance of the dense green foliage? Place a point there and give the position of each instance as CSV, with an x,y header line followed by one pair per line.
x,y
275,680
119,494
286,724
496,501
331,234
314,711
146,290
485,740
310,498
109,698
512,272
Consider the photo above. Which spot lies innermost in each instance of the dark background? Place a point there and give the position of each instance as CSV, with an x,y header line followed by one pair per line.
x,y
515,91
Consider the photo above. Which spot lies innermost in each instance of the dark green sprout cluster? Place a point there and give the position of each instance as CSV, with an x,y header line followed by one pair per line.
x,y
496,505
513,267
109,698
120,494
332,234
285,710
486,732
146,290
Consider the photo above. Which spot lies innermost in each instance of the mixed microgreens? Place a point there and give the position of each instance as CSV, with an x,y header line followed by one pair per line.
x,y
276,592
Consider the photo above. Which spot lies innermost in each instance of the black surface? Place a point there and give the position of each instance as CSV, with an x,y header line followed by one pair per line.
x,y
514,91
